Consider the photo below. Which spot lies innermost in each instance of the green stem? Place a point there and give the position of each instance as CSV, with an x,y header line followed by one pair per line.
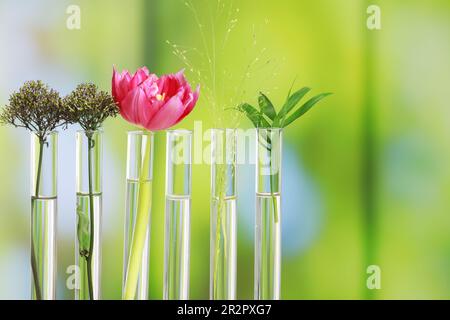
x,y
37,285
272,191
268,145
217,252
273,180
91,220
140,227
220,227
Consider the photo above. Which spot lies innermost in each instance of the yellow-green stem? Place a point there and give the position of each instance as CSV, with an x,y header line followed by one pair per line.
x,y
140,228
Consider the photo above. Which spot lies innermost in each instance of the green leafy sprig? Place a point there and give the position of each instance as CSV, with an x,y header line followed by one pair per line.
x,y
266,115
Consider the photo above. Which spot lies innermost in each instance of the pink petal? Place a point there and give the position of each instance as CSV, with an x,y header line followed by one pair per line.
x,y
140,75
115,84
169,85
150,86
144,108
124,86
190,103
119,85
133,107
180,77
168,115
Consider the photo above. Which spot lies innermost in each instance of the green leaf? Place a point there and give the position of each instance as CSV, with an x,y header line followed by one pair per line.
x,y
304,108
292,86
290,103
266,106
254,115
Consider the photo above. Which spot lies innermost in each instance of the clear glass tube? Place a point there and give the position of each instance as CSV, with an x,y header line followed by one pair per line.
x,y
43,215
177,219
268,213
138,211
223,215
89,214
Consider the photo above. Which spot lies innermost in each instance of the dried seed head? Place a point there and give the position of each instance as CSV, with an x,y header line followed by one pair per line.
x,y
89,107
35,107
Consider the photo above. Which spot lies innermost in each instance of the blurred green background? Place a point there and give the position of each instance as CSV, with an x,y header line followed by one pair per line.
x,y
366,175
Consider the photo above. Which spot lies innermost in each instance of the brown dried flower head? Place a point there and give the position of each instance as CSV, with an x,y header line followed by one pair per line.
x,y
89,106
35,107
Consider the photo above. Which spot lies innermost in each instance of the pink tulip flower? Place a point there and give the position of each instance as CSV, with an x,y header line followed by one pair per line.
x,y
151,102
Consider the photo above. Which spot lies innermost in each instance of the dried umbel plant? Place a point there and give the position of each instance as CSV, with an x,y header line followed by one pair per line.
x,y
38,108
89,107
35,107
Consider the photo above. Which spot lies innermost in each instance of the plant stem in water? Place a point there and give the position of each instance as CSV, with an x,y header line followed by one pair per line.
x,y
37,285
217,253
220,186
140,227
91,219
273,179
274,199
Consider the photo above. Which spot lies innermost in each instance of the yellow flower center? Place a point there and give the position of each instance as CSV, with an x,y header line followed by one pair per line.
x,y
160,97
